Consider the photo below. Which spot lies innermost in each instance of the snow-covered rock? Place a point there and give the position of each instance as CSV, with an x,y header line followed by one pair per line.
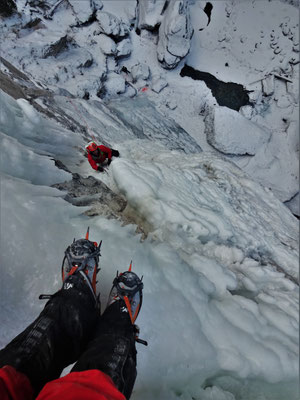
x,y
111,25
107,44
124,48
158,84
231,133
149,13
83,10
115,84
130,90
175,34
87,86
140,71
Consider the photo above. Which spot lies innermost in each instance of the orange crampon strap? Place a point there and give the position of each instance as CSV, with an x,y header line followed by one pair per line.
x,y
127,302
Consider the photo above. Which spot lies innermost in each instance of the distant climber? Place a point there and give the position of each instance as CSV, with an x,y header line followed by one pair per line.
x,y
100,155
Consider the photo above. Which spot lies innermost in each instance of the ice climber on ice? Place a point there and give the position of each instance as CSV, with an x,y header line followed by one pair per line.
x,y
100,155
70,328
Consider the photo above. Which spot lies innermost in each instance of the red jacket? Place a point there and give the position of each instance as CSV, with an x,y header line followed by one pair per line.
x,y
105,152
88,385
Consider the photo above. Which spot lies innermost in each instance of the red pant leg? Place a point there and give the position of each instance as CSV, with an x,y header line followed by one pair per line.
x,y
14,385
88,385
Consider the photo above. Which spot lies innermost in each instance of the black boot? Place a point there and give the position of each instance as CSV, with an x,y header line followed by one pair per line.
x,y
57,337
115,153
112,349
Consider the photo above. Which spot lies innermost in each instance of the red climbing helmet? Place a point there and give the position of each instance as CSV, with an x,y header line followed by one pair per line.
x,y
92,146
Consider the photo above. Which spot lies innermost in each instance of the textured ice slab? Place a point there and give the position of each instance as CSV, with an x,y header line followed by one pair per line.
x,y
231,133
238,238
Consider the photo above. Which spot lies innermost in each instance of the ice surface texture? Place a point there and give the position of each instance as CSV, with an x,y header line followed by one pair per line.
x,y
219,264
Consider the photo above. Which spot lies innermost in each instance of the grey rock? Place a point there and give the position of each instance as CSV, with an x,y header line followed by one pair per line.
x,y
92,192
60,46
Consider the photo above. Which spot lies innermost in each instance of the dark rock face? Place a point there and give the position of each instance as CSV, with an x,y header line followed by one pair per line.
x,y
7,8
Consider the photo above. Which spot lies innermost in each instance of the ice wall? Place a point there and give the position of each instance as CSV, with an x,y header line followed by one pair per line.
x,y
220,308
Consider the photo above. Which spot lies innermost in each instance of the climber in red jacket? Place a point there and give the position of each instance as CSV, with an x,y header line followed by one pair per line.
x,y
70,328
100,155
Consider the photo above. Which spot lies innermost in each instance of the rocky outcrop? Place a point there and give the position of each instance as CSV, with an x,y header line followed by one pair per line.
x,y
91,191
111,25
175,33
58,47
100,200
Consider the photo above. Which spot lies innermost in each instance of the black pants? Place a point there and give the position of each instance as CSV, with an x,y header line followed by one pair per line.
x,y
70,328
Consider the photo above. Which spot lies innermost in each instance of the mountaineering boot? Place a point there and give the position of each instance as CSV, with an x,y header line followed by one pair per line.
x,y
60,333
112,349
82,257
127,290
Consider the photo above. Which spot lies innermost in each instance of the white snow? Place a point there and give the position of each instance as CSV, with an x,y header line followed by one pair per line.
x,y
220,262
